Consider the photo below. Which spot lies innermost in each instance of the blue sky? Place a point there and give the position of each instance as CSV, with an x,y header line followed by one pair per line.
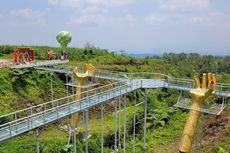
x,y
138,26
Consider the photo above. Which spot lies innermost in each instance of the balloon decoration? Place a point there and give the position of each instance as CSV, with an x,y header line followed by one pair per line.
x,y
63,38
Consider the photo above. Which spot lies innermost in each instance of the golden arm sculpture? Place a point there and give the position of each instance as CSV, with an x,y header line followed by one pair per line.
x,y
81,81
198,95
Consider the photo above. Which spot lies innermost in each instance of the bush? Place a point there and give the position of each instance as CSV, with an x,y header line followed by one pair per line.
x,y
94,145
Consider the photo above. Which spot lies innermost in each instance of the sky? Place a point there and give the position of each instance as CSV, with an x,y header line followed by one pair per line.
x,y
135,26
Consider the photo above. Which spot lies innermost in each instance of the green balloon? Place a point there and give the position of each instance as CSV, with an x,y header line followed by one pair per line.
x,y
63,38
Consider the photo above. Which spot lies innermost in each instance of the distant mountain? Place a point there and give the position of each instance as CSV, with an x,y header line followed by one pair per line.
x,y
144,55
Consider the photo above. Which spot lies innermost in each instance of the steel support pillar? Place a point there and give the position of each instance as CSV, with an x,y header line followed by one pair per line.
x,y
115,126
119,121
51,86
74,133
134,121
37,141
86,116
102,128
124,143
145,116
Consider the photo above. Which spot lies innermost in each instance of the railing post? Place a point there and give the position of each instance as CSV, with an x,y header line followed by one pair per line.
x,y
31,112
16,122
106,95
69,106
88,99
44,114
28,123
57,113
10,130
98,98
57,109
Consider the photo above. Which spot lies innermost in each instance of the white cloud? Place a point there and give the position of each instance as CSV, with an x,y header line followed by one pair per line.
x,y
27,17
91,5
211,18
27,13
93,9
155,18
68,3
185,6
89,19
110,2
130,18
187,12
34,23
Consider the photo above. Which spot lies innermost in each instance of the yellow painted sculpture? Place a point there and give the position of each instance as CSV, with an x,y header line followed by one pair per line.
x,y
81,81
198,95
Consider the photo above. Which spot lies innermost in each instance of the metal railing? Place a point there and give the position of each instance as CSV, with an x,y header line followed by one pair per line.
x,y
47,112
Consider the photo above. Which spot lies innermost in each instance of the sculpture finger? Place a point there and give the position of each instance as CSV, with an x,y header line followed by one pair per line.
x,y
204,81
197,81
209,79
75,70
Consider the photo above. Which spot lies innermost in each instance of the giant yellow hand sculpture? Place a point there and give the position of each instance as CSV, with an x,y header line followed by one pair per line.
x,y
80,82
198,95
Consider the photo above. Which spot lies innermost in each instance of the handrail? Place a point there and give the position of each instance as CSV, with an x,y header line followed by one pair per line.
x,y
57,106
80,101
56,100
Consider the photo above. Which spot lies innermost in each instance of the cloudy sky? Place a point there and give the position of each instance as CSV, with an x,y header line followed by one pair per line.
x,y
139,26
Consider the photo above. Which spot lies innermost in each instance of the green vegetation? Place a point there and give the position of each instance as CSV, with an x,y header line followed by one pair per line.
x,y
24,88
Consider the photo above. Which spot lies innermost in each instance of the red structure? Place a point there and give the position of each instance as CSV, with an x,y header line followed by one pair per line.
x,y
22,55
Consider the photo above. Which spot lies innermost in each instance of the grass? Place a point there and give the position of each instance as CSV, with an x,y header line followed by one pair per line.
x,y
53,139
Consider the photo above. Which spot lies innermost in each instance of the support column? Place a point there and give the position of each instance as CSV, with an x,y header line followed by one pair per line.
x,y
145,116
134,120
124,143
86,129
115,126
119,121
74,134
51,86
102,128
37,141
